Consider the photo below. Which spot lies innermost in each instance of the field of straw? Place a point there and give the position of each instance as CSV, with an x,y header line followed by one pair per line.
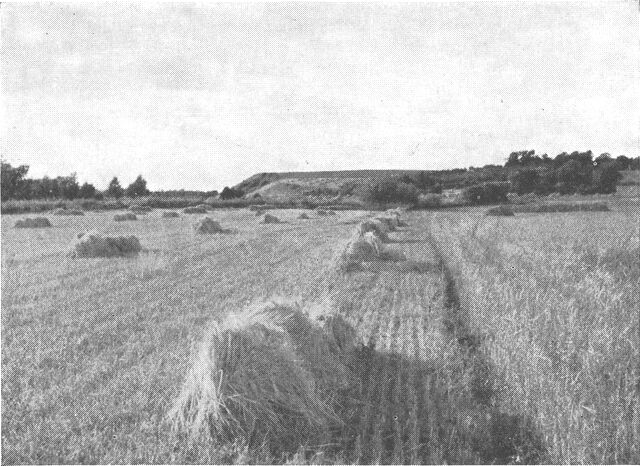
x,y
457,338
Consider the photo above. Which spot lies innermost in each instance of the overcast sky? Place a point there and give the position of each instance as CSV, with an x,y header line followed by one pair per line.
x,y
202,96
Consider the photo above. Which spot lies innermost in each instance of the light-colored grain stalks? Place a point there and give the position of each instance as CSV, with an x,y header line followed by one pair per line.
x,y
125,217
207,225
95,245
378,228
170,214
195,210
268,376
268,218
63,211
38,222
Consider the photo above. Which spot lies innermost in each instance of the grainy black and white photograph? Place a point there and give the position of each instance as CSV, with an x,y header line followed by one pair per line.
x,y
320,233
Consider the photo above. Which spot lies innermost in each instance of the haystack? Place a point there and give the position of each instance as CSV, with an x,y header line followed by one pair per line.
x,y
378,228
500,211
303,216
270,375
268,218
207,225
366,247
391,221
63,211
140,209
94,245
195,210
38,222
170,214
124,217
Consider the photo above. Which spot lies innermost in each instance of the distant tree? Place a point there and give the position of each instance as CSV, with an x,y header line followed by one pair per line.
x,y
87,191
522,158
573,174
68,185
525,180
623,162
606,177
604,158
114,189
137,188
13,181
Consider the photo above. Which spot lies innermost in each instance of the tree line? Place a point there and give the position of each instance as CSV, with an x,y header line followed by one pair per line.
x,y
16,185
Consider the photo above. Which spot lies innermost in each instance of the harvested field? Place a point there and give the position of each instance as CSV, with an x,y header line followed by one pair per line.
x,y
462,349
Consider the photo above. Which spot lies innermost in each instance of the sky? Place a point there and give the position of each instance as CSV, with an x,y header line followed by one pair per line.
x,y
200,96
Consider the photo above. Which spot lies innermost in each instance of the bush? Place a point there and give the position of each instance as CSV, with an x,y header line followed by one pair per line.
x,y
391,191
486,193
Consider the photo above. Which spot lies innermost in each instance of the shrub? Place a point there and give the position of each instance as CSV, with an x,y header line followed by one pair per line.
x,y
486,193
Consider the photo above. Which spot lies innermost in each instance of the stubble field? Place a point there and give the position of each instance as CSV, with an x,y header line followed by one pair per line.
x,y
498,340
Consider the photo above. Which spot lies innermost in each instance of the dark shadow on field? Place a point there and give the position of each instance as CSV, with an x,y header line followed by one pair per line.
x,y
406,410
